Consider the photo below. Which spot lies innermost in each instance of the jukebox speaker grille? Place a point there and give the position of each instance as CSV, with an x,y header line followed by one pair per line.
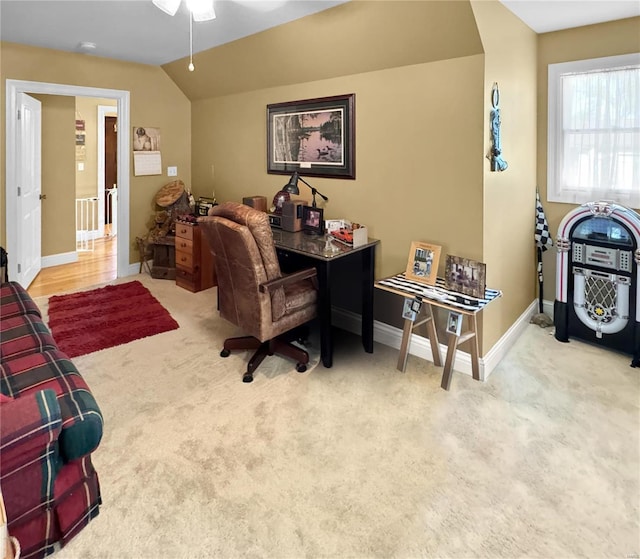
x,y
600,299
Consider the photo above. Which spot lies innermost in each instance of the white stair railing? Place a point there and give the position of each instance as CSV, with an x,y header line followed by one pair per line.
x,y
86,223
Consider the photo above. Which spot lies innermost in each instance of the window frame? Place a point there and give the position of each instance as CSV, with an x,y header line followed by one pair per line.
x,y
556,192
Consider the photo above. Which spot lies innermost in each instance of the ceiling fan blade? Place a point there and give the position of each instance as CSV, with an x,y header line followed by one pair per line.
x,y
167,6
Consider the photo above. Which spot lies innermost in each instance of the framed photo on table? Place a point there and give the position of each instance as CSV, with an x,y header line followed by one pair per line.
x,y
422,265
315,137
465,276
312,220
454,323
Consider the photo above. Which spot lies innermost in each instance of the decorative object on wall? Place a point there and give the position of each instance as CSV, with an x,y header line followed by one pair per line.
x,y
495,154
81,148
315,137
465,276
422,265
146,151
199,10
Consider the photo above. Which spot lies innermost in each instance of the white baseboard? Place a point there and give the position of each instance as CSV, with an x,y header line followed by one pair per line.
x,y
421,347
133,269
58,259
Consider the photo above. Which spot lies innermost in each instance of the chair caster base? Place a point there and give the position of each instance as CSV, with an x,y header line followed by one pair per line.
x,y
301,367
225,353
247,377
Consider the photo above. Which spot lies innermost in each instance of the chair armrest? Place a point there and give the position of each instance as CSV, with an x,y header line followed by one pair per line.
x,y
295,277
29,429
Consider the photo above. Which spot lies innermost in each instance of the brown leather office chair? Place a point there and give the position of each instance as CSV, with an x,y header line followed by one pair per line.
x,y
252,292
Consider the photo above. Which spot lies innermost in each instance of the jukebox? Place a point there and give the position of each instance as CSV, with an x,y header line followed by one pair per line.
x,y
597,288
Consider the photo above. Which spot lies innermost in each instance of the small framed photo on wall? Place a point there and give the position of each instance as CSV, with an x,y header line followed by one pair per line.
x,y
422,265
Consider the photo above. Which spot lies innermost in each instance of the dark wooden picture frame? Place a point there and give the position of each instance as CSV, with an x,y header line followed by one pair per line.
x,y
315,137
465,276
312,220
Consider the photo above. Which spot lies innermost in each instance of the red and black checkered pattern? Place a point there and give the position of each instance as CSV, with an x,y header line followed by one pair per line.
x,y
14,301
49,425
81,416
30,461
22,335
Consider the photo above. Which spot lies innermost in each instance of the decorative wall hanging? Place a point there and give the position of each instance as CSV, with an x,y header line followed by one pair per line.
x,y
146,151
495,154
315,137
80,140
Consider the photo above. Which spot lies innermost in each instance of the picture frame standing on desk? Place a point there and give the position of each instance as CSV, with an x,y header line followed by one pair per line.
x,y
465,276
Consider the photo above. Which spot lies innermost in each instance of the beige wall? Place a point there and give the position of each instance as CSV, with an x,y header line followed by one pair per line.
x,y
422,74
593,41
58,179
509,196
155,101
87,110
422,134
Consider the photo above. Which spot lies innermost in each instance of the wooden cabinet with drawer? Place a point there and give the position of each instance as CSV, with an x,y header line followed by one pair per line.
x,y
195,269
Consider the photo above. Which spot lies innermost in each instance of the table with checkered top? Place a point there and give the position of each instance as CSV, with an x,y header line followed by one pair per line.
x,y
438,295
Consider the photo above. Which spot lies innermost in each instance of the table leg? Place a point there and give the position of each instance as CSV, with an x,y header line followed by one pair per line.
x,y
368,264
324,313
404,345
448,365
433,337
475,366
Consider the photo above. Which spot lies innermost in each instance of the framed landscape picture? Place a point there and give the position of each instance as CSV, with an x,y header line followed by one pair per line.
x,y
422,265
315,137
465,276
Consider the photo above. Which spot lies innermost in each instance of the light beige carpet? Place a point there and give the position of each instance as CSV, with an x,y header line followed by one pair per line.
x,y
359,460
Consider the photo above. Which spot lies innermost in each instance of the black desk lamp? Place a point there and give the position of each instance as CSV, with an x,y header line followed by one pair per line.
x,y
292,188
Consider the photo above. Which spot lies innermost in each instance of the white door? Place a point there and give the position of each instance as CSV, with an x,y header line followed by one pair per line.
x,y
29,258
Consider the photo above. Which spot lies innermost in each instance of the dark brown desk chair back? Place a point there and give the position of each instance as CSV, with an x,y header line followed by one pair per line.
x,y
252,292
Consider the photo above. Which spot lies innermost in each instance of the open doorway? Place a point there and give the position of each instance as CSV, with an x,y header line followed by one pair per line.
x,y
15,242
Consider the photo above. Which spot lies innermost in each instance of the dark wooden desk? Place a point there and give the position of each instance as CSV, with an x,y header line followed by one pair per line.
x,y
353,266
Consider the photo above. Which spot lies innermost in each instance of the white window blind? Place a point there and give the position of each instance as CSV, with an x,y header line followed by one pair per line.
x,y
594,131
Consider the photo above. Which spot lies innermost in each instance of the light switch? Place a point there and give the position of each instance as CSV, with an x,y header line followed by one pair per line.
x,y
80,166
172,171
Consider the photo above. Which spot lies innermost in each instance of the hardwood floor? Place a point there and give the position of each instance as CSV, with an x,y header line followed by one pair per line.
x,y
92,267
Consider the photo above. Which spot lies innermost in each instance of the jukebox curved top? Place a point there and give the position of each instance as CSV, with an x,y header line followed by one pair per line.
x,y
597,288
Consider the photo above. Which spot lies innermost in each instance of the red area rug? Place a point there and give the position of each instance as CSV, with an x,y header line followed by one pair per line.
x,y
88,321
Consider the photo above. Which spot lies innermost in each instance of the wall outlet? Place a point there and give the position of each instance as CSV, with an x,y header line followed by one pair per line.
x,y
172,171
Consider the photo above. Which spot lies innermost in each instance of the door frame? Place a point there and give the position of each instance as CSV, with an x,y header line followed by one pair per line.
x,y
13,87
102,113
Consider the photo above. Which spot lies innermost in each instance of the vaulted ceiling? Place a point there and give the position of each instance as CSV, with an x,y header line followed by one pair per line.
x,y
137,31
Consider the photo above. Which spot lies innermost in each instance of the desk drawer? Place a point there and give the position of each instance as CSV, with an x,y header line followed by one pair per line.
x,y
184,260
187,280
185,245
184,231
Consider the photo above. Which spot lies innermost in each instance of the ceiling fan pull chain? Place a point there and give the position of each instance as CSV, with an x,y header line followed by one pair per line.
x,y
191,66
